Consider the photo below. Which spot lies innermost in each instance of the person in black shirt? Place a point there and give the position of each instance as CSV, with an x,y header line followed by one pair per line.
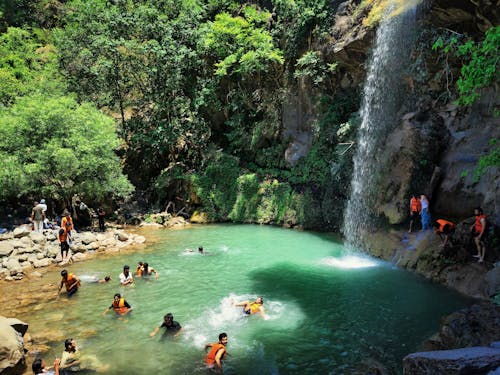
x,y
171,326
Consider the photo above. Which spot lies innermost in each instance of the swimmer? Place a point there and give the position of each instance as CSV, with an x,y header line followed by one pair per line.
x,y
70,359
138,270
39,367
125,277
251,308
119,305
171,326
200,249
217,352
106,279
70,281
148,271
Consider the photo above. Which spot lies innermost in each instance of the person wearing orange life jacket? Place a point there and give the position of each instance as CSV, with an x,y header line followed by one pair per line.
x,y
251,308
119,305
139,269
70,281
415,208
444,228
217,353
479,232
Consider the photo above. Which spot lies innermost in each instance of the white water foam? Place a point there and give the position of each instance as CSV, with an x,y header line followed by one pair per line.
x,y
226,317
349,262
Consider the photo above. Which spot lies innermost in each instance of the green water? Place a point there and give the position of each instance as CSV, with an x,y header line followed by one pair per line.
x,y
323,318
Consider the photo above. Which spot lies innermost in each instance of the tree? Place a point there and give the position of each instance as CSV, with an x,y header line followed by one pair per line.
x,y
53,146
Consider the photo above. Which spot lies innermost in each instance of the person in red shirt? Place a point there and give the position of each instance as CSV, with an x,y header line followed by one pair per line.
x,y
479,232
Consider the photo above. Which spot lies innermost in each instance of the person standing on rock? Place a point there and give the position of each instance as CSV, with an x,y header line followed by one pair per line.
x,y
479,232
100,217
37,217
71,282
415,208
63,242
67,223
425,214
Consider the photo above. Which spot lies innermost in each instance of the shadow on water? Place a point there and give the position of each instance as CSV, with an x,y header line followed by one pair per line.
x,y
351,315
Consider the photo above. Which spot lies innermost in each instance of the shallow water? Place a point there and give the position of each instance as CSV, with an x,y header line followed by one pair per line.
x,y
327,310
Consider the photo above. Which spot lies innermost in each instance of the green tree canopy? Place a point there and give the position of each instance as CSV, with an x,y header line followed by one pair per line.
x,y
53,146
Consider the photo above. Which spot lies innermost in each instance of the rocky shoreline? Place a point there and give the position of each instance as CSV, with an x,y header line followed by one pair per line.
x,y
22,251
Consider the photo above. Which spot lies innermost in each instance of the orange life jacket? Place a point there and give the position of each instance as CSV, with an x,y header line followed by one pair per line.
x,y
415,205
67,223
442,223
478,226
210,358
69,281
119,306
138,271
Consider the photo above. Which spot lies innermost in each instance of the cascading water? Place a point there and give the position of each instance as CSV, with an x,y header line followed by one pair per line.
x,y
381,101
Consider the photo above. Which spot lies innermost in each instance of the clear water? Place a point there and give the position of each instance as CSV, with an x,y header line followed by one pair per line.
x,y
326,312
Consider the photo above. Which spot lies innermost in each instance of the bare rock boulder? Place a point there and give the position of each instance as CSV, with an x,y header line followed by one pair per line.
x,y
12,360
5,249
21,231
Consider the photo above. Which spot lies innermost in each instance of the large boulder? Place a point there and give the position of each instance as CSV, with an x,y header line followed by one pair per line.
x,y
87,238
13,266
461,189
42,263
199,218
38,238
476,360
21,231
409,159
6,248
477,325
12,360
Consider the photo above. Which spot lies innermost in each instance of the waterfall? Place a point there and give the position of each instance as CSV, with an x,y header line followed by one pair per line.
x,y
381,101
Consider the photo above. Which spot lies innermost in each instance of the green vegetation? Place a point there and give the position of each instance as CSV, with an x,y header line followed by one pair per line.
x,y
54,147
51,145
481,63
188,99
480,68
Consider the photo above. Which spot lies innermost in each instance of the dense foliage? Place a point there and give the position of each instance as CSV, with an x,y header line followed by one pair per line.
x,y
50,145
196,92
54,147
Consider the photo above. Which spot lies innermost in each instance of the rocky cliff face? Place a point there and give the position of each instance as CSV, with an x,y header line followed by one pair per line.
x,y
436,147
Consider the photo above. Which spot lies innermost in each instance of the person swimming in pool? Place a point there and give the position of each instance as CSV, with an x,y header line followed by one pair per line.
x,y
251,308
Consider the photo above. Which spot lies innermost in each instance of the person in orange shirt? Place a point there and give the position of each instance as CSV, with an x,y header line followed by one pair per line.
x,y
415,208
217,353
444,229
67,222
70,281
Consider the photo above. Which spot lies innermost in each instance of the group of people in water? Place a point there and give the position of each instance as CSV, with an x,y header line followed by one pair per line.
x,y
419,206
120,306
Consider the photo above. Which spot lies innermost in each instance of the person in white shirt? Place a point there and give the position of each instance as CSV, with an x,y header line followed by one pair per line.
x,y
126,277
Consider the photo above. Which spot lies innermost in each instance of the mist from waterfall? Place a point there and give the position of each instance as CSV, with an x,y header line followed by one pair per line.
x,y
382,94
